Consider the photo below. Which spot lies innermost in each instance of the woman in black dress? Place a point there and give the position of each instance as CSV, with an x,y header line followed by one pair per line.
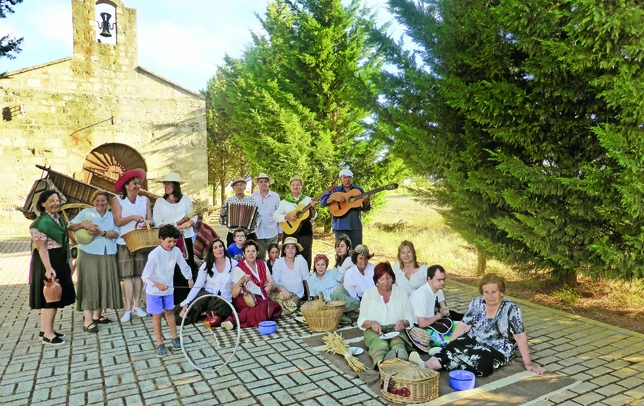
x,y
50,260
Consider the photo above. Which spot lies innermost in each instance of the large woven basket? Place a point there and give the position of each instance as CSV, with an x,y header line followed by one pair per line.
x,y
144,239
405,382
323,316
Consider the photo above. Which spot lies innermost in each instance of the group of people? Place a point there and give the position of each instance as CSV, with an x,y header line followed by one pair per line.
x,y
103,257
263,279
409,294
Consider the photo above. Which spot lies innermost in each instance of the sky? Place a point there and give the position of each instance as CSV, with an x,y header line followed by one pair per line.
x,y
183,41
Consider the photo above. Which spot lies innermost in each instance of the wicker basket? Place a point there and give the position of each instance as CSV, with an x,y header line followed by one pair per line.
x,y
144,239
404,382
321,316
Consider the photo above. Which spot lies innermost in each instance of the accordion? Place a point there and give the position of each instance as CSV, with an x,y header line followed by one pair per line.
x,y
241,215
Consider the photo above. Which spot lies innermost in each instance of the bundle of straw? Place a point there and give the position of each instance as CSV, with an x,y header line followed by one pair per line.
x,y
200,207
336,345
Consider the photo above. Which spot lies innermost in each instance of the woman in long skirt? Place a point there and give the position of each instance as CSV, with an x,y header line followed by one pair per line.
x,y
251,274
98,274
49,260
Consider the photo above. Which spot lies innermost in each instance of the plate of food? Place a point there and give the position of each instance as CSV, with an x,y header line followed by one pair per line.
x,y
356,351
389,335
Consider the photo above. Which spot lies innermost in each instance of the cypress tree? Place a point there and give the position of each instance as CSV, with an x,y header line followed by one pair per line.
x,y
508,112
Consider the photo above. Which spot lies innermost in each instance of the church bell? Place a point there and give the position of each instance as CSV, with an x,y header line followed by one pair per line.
x,y
105,25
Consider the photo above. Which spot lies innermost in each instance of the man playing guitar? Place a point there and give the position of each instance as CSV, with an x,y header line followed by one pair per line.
x,y
350,223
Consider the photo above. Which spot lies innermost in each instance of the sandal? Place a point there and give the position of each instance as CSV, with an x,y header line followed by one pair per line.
x,y
92,328
102,320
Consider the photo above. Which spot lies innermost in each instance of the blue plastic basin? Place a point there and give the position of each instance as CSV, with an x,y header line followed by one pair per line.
x,y
462,380
267,327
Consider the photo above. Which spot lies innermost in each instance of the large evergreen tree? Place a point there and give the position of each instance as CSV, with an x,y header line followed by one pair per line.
x,y
509,132
302,95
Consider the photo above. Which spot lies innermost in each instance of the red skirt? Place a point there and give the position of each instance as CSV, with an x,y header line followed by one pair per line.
x,y
265,309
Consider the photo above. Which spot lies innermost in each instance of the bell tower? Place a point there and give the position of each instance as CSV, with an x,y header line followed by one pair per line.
x,y
104,37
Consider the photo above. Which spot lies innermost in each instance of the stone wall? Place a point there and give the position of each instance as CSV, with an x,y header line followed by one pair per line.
x,y
164,122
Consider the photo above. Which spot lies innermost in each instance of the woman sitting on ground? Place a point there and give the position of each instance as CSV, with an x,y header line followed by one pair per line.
x,y
410,275
214,277
251,274
290,273
329,283
359,277
342,255
274,253
484,340
385,309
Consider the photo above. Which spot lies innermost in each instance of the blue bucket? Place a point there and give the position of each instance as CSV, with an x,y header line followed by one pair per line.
x,y
462,380
267,327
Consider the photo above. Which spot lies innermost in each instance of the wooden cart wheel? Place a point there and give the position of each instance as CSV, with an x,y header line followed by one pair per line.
x,y
74,209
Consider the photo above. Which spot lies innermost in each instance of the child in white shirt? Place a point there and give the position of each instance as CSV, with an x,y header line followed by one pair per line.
x,y
157,275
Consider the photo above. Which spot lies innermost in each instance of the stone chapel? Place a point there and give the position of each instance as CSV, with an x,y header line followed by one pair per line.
x,y
97,114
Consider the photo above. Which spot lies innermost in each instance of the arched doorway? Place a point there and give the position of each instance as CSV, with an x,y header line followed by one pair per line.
x,y
104,164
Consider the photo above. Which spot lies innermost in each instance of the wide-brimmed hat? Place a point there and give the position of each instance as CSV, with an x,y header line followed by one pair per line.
x,y
171,177
237,179
362,250
262,175
292,240
123,179
345,172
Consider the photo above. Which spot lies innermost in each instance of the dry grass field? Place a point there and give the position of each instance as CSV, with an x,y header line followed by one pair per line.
x,y
402,218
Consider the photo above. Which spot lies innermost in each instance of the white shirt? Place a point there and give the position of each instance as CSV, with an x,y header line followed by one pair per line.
x,y
220,283
373,307
160,268
291,279
416,281
268,228
171,213
287,207
139,208
250,285
356,283
423,301
345,265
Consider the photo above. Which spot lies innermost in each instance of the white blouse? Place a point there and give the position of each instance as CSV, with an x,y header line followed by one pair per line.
x,y
291,279
410,285
220,283
139,208
287,207
356,283
171,213
345,265
373,307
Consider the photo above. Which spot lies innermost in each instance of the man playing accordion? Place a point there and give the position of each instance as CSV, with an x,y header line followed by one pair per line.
x,y
240,211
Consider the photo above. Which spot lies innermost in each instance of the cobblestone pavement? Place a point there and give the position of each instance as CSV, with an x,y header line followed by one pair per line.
x,y
118,366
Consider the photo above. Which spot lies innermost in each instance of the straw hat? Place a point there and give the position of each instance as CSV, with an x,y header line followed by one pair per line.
x,y
171,177
262,175
123,179
237,180
363,250
292,240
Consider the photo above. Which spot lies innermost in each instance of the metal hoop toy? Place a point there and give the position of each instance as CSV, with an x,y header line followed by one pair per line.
x,y
183,347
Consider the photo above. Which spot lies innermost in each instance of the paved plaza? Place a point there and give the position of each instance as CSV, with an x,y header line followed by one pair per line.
x,y
118,365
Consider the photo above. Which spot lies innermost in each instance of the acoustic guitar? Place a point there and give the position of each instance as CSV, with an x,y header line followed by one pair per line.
x,y
301,212
353,199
